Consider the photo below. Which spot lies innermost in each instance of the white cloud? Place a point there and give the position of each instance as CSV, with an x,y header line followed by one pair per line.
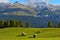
x,y
32,2
5,1
46,1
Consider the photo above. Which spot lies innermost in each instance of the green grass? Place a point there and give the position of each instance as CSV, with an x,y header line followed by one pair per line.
x,y
46,33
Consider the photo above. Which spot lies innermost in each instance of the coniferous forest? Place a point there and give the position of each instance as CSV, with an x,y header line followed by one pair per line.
x,y
20,23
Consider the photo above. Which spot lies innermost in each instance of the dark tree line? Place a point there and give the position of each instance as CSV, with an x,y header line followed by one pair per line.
x,y
13,23
50,24
20,23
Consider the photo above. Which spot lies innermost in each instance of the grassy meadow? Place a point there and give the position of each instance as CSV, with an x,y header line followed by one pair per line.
x,y
14,33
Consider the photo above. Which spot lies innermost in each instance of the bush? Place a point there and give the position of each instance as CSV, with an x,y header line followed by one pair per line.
x,y
23,34
35,35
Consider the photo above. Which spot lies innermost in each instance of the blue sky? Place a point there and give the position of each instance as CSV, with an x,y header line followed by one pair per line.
x,y
55,1
24,1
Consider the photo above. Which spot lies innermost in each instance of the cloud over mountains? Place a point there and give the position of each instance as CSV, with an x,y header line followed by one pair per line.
x,y
34,1
5,1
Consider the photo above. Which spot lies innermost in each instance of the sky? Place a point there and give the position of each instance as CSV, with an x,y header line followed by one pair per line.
x,y
24,1
55,2
6,1
51,1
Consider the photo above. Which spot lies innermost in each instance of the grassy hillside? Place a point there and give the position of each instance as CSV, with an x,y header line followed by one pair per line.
x,y
46,34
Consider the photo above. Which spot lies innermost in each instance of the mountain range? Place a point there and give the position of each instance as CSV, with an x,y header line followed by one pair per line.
x,y
38,16
21,9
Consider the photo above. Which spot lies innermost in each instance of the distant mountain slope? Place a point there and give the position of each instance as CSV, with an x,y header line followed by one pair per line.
x,y
20,9
17,9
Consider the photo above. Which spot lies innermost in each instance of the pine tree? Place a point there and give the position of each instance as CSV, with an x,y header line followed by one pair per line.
x,y
50,24
21,23
15,23
1,23
8,22
28,24
58,25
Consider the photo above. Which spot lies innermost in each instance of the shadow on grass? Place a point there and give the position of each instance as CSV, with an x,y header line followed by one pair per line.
x,y
19,36
31,37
